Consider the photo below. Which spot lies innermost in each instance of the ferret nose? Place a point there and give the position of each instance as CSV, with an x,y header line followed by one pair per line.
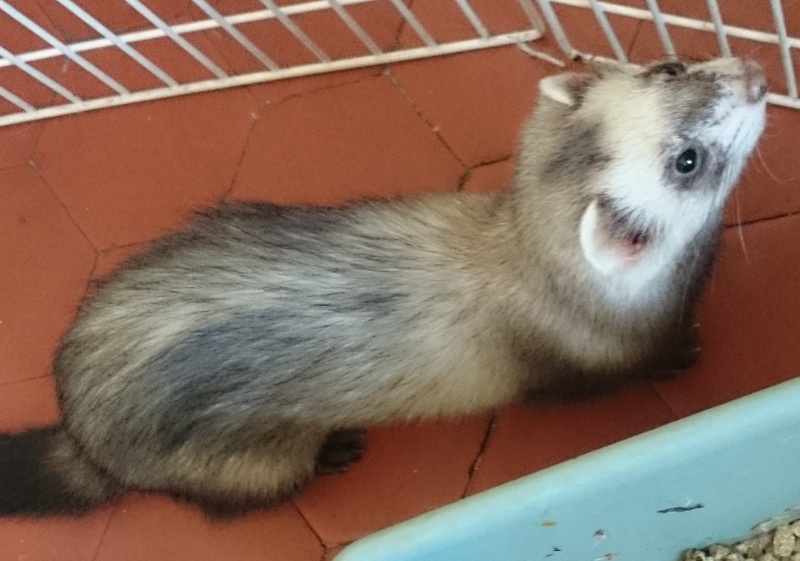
x,y
755,81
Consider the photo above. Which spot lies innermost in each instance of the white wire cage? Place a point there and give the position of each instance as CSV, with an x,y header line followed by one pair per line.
x,y
214,45
694,28
86,57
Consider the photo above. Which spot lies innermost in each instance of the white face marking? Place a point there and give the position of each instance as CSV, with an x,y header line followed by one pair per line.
x,y
642,138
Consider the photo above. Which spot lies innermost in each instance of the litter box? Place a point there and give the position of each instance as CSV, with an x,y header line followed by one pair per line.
x,y
709,478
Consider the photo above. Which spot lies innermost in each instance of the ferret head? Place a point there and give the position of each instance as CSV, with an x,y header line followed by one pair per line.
x,y
645,159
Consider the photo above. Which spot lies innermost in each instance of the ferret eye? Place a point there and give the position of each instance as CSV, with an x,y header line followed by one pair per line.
x,y
687,161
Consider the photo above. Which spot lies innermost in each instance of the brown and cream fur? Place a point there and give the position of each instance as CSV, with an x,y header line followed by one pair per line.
x,y
237,358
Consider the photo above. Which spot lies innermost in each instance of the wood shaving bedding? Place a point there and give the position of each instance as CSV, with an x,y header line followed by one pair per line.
x,y
780,544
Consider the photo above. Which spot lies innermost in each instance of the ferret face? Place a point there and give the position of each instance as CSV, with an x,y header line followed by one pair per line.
x,y
673,139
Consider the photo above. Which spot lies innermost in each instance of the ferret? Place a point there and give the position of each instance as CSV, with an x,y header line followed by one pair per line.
x,y
237,358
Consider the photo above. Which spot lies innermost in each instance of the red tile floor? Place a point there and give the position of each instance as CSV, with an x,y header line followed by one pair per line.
x,y
80,193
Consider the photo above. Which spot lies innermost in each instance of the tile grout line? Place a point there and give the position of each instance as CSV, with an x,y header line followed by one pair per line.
x,y
123,246
473,469
229,67
634,39
56,26
256,113
104,532
247,137
295,95
37,135
328,549
499,160
421,115
675,415
23,380
760,220
32,162
310,527
464,178
403,24
470,169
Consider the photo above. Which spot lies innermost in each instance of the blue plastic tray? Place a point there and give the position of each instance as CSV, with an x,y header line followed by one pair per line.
x,y
707,478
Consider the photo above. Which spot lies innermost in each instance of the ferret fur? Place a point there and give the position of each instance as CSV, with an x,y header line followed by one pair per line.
x,y
239,357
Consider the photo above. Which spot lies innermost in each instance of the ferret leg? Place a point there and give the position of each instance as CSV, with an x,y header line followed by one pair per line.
x,y
254,473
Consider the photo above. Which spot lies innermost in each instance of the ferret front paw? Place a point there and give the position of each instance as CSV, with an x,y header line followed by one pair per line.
x,y
340,449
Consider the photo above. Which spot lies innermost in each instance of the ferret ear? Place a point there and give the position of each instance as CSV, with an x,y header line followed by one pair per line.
x,y
567,88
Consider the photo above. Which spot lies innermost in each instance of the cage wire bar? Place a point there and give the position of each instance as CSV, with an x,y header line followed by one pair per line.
x,y
64,101
662,22
538,14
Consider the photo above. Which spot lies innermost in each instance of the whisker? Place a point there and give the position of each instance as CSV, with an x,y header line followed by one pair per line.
x,y
761,159
739,229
